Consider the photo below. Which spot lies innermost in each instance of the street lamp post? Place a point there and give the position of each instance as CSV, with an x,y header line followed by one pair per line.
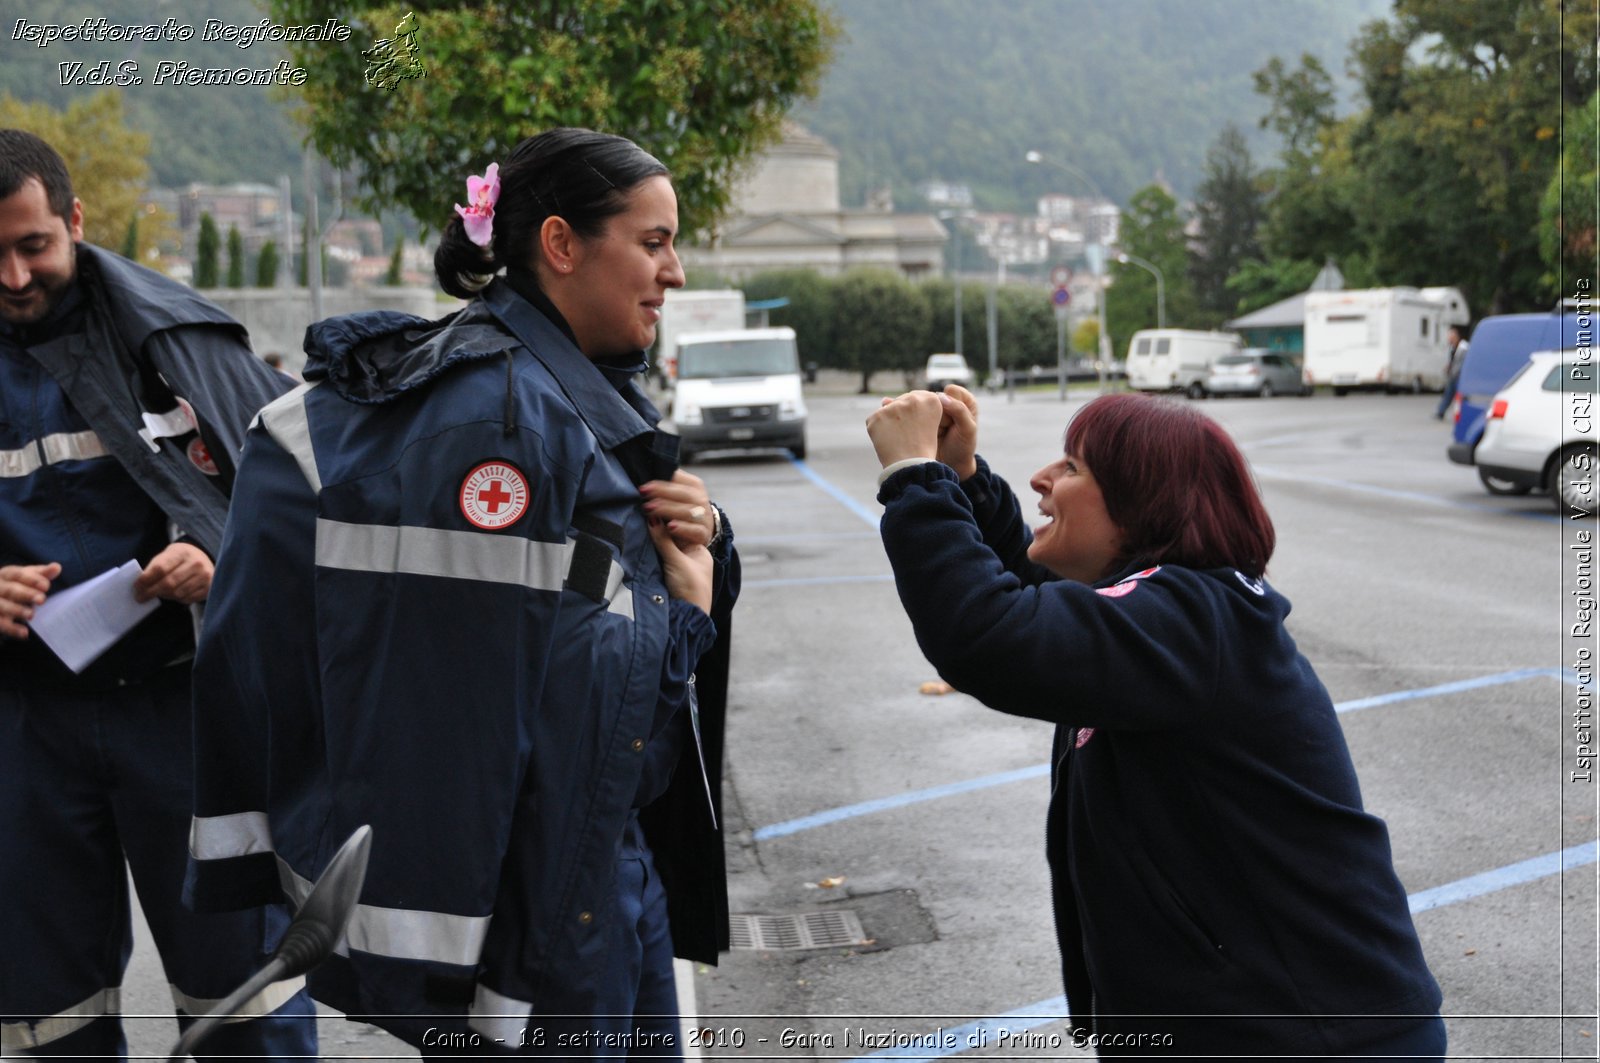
x,y
1097,261
1161,285
953,217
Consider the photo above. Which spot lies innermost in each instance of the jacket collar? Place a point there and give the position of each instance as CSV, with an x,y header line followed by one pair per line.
x,y
603,409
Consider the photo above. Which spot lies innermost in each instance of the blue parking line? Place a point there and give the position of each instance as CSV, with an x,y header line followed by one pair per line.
x,y
839,496
964,1038
883,804
1505,877
1454,688
913,797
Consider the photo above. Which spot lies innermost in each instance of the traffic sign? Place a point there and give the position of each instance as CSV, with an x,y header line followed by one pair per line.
x,y
1061,297
1060,276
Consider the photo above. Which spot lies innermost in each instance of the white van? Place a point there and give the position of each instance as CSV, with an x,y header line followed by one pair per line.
x,y
1388,338
1175,359
739,388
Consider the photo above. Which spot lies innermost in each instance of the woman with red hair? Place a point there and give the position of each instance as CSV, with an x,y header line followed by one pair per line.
x,y
1218,887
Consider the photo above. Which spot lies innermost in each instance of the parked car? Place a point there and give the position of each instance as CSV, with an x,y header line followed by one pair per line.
x,y
1255,371
1500,346
945,369
1540,433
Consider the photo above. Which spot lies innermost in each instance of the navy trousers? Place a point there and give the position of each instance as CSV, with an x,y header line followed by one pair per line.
x,y
637,1011
86,783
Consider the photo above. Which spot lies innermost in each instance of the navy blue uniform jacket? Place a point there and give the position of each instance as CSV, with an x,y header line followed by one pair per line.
x,y
1208,848
438,611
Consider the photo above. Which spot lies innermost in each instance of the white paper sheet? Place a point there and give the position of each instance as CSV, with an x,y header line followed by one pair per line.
x,y
82,622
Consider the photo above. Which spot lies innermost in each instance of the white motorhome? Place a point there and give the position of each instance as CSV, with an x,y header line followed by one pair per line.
x,y
1389,338
1174,359
694,310
739,388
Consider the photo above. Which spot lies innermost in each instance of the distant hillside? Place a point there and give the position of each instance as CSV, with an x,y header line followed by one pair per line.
x,y
1130,91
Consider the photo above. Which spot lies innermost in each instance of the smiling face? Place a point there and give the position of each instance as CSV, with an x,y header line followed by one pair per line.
x,y
1079,541
612,292
38,256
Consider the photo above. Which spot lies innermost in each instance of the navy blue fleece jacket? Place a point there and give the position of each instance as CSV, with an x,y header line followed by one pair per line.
x,y
1209,851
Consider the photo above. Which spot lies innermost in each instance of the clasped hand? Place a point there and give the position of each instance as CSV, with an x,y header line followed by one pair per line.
x,y
681,526
924,424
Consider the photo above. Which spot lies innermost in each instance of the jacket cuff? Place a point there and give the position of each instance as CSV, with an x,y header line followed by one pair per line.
x,y
722,545
920,471
895,466
979,487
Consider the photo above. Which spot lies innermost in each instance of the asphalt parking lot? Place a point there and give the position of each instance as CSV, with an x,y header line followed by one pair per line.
x,y
1434,613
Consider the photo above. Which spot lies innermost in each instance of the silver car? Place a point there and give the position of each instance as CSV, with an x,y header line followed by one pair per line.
x,y
1256,371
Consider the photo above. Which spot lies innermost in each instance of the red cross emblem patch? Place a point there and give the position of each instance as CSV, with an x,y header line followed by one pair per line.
x,y
494,496
201,458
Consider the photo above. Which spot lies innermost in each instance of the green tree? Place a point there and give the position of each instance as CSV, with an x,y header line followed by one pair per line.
x,y
940,296
105,158
1025,327
1258,283
1086,337
130,238
1228,211
1152,228
810,311
267,265
1301,101
701,86
205,267
235,258
881,320
394,276
1439,179
1306,217
1567,219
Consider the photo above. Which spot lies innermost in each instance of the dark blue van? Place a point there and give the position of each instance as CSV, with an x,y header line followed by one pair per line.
x,y
1499,347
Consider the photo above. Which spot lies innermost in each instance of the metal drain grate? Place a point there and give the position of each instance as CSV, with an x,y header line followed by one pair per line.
x,y
808,930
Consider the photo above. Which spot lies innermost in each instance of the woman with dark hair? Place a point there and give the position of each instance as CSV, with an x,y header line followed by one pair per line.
x,y
463,596
1218,888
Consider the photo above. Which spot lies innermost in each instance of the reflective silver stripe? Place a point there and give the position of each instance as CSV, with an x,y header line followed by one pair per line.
x,y
438,552
497,1016
164,425
265,1002
224,837
402,933
16,1036
483,556
62,446
285,420
621,602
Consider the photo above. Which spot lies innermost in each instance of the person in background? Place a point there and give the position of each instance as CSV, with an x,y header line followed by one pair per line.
x,y
124,399
1219,890
466,597
1452,372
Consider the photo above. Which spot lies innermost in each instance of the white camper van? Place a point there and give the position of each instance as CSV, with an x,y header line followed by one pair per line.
x,y
694,310
739,388
1389,338
1175,359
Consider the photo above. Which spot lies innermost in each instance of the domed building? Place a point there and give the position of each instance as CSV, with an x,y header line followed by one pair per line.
x,y
786,215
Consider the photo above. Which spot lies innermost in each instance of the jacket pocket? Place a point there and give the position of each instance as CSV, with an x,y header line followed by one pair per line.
x,y
1198,933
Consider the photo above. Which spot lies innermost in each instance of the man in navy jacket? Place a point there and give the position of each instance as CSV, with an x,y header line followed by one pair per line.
x,y
124,399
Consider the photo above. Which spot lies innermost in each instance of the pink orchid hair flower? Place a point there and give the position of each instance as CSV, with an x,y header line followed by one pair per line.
x,y
482,194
